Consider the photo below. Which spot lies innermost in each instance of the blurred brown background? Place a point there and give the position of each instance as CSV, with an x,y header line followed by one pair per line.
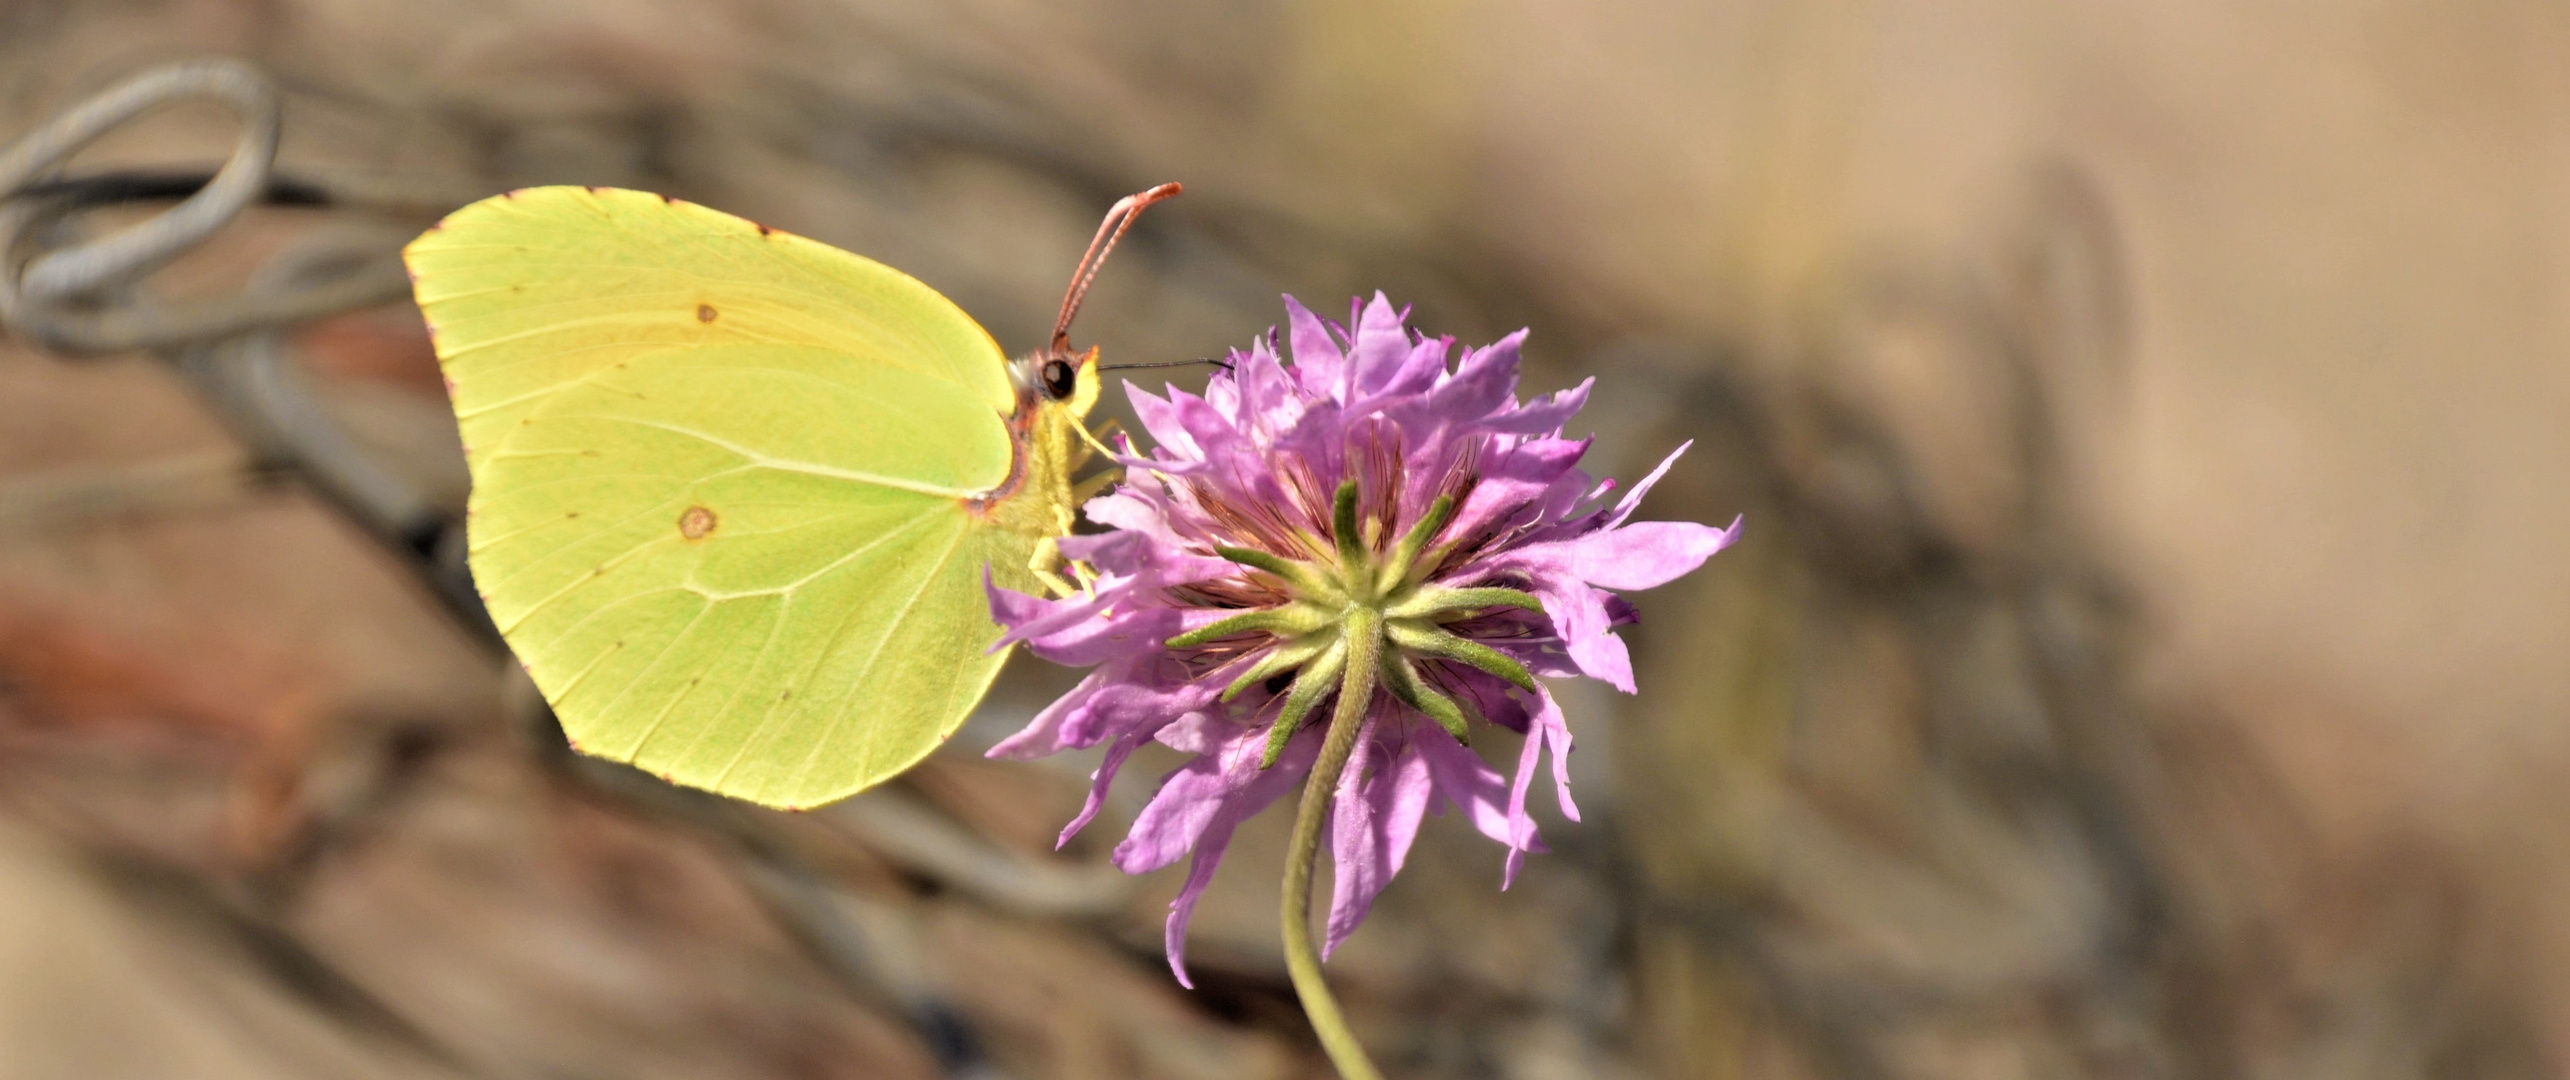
x,y
2141,661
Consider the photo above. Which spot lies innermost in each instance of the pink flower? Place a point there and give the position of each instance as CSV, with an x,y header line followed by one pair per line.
x,y
1365,487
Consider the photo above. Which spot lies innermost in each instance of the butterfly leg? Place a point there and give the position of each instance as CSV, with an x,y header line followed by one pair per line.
x,y
1095,440
1089,488
1046,565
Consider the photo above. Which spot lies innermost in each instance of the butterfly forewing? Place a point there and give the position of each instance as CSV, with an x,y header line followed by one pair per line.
x,y
719,485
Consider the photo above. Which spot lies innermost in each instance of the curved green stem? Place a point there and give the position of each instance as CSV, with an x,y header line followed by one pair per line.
x,y
1365,646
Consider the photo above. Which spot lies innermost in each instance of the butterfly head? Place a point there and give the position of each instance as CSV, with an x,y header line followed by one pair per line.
x,y
1058,377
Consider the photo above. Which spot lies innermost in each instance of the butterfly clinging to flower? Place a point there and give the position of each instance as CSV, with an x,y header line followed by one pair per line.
x,y
735,491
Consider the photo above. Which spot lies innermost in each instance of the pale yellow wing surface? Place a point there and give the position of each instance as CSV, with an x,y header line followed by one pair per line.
x,y
719,484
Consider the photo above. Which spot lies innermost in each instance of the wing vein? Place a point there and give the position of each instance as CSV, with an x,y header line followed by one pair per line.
x,y
839,715
807,468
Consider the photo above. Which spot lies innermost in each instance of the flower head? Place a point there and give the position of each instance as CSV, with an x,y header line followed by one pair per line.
x,y
1363,500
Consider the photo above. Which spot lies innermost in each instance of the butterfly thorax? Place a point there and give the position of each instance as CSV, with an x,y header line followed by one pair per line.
x,y
1055,390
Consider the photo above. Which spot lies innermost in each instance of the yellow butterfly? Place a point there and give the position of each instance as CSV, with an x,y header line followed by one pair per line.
x,y
734,490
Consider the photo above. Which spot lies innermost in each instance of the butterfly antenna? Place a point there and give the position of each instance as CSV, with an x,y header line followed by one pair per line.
x,y
1119,218
1220,363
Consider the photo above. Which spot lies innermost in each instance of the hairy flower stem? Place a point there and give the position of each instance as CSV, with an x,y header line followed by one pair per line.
x,y
1356,691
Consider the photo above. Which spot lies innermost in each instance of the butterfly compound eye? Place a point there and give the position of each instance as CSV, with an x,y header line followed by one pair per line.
x,y
1059,378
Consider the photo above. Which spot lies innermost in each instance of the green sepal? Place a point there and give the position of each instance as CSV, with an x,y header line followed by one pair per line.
x,y
1279,659
1420,638
1352,553
1429,603
1407,555
1405,684
1317,679
1288,620
1298,575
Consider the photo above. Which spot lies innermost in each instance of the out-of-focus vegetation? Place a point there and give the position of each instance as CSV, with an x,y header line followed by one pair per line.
x,y
2141,661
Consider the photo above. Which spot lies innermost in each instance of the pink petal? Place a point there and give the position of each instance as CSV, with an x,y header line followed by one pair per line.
x,y
1637,556
1376,355
1116,636
1515,479
1197,807
1316,356
1545,415
1556,733
1410,378
1579,616
1028,618
1011,608
1470,784
1480,385
1648,553
1188,802
1154,560
1123,509
1633,498
1131,700
1224,396
1496,699
1043,735
1200,873
1269,403
1198,733
1374,819
1206,427
1521,825
1101,780
1188,798
1159,416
